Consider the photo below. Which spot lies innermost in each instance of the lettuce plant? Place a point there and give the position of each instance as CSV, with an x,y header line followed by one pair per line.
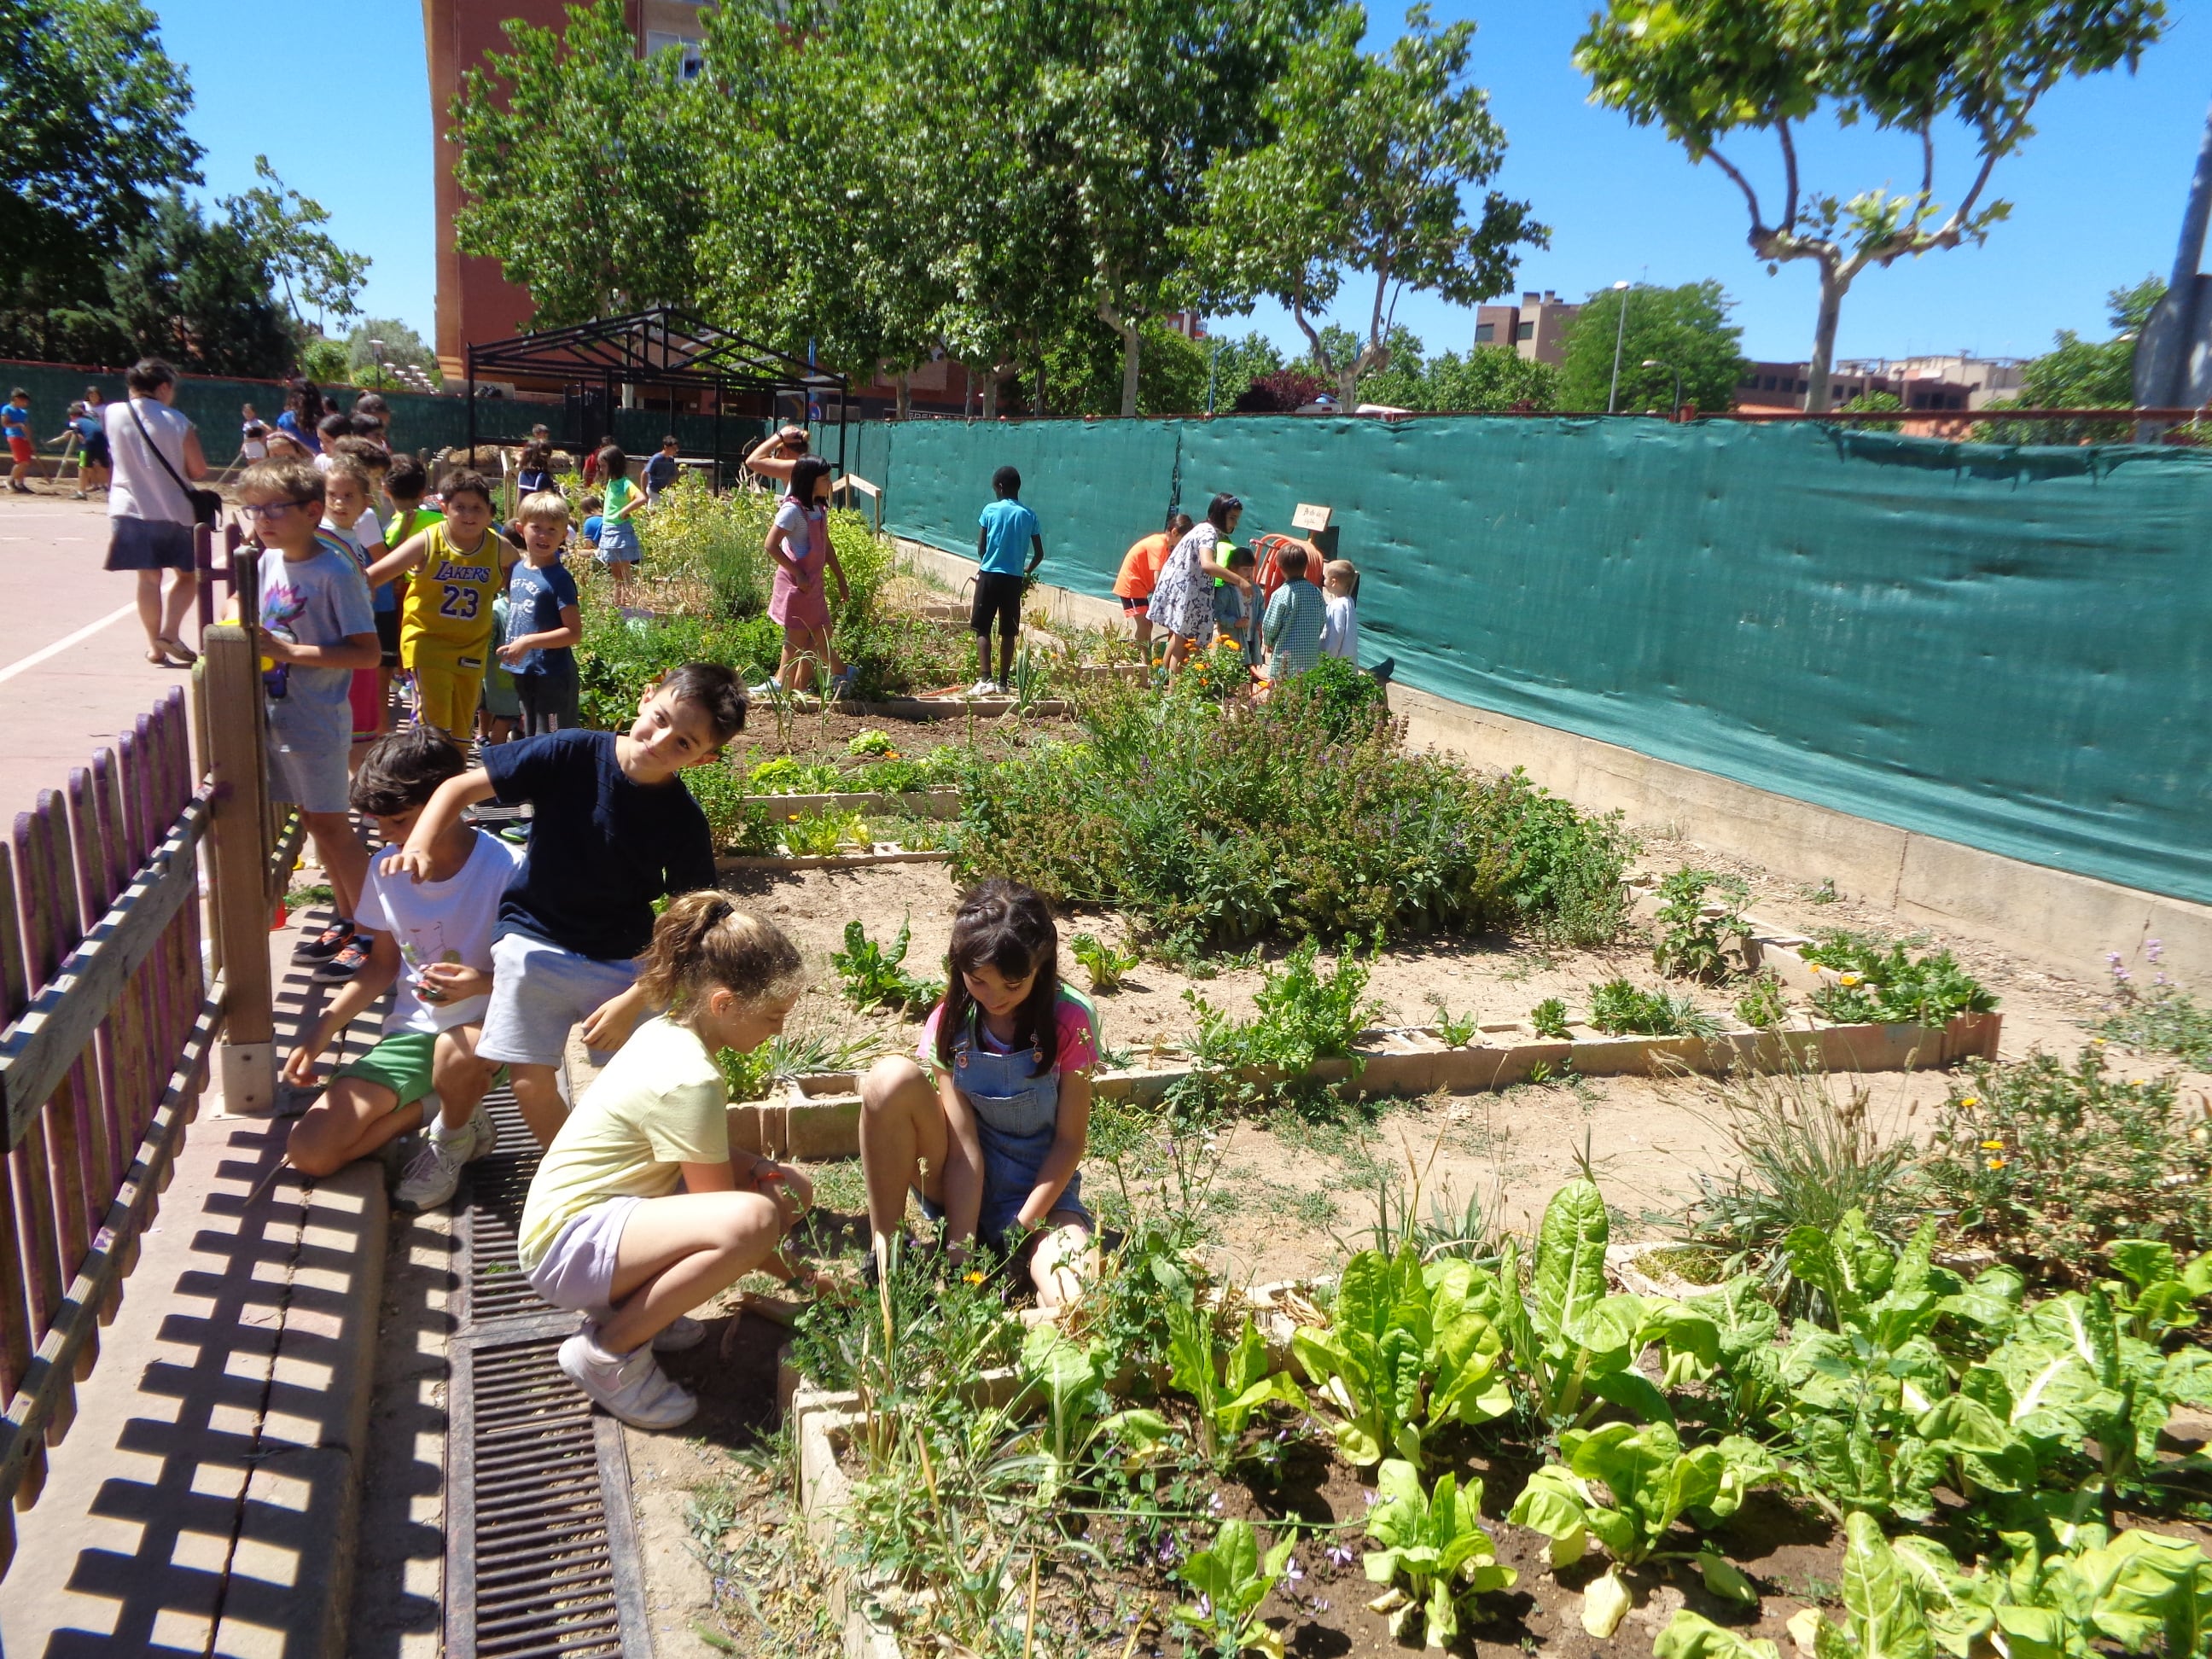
x,y
1435,1543
1230,1580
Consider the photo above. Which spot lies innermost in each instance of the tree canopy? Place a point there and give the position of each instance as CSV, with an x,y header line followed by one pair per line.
x,y
1710,72
1684,328
1072,177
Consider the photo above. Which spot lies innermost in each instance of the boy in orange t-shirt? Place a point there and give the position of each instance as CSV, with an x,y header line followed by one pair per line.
x,y
1140,568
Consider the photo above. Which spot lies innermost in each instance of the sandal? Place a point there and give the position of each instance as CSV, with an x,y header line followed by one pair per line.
x,y
184,653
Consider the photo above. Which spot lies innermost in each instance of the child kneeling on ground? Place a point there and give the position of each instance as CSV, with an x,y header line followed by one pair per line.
x,y
991,1134
640,1212
433,939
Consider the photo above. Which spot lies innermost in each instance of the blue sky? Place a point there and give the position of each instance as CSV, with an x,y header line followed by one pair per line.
x,y
2097,193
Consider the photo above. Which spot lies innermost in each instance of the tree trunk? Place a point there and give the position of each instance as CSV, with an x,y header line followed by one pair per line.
x,y
1832,284
1132,343
905,394
1347,389
991,393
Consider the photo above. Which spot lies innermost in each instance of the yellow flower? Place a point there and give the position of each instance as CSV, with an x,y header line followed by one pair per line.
x,y
973,1276
1970,1101
1993,1164
1993,1145
1847,979
2096,1042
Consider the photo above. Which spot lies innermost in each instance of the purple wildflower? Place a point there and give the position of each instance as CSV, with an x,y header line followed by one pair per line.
x,y
2153,948
1339,1554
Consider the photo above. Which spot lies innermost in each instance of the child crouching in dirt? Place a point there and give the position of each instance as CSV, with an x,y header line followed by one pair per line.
x,y
639,1211
992,1132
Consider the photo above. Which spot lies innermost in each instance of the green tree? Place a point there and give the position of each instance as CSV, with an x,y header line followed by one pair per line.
x,y
286,230
2079,373
1365,176
1084,372
1707,70
1686,328
1235,364
580,161
197,293
92,139
1491,378
399,345
1874,402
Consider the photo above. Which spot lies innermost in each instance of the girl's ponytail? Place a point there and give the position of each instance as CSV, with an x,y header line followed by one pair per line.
x,y
702,941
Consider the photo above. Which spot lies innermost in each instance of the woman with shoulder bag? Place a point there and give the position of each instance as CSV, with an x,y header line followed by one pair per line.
x,y
151,509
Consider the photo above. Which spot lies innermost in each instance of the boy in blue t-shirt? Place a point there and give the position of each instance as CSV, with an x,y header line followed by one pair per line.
x,y
16,426
1009,547
538,645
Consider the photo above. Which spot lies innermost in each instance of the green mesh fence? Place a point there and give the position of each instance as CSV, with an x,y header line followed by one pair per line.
x,y
2008,647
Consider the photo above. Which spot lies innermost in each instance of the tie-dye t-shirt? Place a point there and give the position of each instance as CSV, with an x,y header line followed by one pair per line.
x,y
316,601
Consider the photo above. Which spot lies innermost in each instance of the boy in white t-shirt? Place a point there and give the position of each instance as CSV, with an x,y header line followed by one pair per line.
x,y
431,940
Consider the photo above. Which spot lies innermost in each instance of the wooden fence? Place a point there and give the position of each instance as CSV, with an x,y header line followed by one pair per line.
x,y
111,1013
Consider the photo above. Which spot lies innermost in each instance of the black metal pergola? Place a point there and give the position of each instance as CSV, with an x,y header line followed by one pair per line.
x,y
666,349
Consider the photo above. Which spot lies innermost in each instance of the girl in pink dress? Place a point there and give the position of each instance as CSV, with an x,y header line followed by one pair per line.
x,y
798,546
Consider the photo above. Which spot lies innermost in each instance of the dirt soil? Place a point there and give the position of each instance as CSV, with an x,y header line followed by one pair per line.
x,y
816,737
1291,1194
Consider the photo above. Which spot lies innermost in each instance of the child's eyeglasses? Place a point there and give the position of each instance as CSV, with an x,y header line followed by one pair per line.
x,y
269,513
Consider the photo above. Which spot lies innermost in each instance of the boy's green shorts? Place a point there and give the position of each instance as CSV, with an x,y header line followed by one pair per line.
x,y
401,1063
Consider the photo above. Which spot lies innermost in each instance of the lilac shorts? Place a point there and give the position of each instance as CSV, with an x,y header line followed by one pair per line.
x,y
579,1271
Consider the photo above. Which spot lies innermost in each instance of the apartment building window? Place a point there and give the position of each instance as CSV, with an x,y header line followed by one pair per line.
x,y
1485,334
1525,332
664,40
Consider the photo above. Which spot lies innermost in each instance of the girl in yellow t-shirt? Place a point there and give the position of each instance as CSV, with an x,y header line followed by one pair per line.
x,y
458,567
641,1208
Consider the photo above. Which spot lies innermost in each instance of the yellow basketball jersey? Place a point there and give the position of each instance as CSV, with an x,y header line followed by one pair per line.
x,y
449,596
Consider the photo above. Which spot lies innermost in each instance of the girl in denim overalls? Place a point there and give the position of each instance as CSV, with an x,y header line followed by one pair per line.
x,y
988,1121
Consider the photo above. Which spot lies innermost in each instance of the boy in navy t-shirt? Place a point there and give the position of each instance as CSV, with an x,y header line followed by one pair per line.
x,y
1009,547
613,829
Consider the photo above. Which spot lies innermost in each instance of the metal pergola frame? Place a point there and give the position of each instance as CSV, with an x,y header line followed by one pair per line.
x,y
665,347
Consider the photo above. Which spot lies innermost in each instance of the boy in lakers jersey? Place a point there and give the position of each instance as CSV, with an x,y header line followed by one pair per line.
x,y
456,568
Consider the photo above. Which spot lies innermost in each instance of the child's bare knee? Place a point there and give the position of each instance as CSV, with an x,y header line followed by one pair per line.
x,y
883,1084
309,1147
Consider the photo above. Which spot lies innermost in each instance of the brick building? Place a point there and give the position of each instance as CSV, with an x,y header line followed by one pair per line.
x,y
1536,328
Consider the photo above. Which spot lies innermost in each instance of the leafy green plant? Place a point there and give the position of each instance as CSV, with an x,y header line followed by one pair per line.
x,y
1435,1542
1689,943
871,744
1229,1389
1337,697
1408,1348
1304,1015
736,823
1032,678
1231,1579
2161,1292
1106,965
1880,982
1548,1019
1764,1003
824,835
786,774
1574,1348
1618,1008
1070,1376
1650,1483
1455,1030
873,976
2048,1163
1693,1635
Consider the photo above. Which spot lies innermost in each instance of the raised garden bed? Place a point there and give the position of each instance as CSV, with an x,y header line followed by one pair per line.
x,y
913,803
879,853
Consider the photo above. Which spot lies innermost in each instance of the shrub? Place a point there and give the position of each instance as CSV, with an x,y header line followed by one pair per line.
x,y
1618,1008
1882,983
621,657
1333,693
715,540
1221,827
1688,943
737,825
2047,1163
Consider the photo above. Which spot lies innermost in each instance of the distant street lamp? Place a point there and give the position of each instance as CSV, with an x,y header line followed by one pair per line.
x,y
376,352
1653,362
1619,331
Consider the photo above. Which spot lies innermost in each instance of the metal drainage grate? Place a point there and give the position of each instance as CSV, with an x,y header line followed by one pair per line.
x,y
541,1549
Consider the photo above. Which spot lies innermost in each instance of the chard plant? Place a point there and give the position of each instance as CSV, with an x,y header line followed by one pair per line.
x,y
1229,1390
1626,1486
1409,1347
875,975
1107,965
1574,1348
1435,1552
1231,1579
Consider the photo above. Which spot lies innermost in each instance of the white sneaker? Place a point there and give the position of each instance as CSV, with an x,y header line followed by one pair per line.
x,y
984,689
685,1333
630,1386
430,1179
765,689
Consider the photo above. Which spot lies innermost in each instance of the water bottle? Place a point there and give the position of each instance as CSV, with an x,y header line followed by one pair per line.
x,y
276,676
